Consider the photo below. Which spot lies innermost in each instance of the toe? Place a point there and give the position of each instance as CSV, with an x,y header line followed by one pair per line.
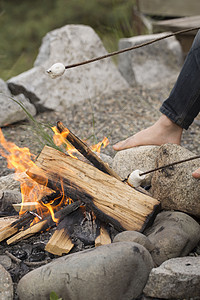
x,y
196,174
118,146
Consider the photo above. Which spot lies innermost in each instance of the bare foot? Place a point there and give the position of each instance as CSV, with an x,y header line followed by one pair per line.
x,y
196,174
162,132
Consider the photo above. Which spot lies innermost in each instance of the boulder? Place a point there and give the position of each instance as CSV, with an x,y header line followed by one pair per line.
x,y
10,111
110,272
7,198
6,285
107,159
177,278
5,261
152,64
134,236
142,158
69,44
9,182
173,234
174,186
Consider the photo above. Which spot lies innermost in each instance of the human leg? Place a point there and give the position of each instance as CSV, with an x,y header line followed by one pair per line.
x,y
179,110
183,103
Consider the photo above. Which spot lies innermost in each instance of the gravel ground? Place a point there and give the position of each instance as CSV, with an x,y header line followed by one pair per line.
x,y
116,116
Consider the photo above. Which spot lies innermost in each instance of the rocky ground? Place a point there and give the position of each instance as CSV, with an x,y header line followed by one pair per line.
x,y
116,116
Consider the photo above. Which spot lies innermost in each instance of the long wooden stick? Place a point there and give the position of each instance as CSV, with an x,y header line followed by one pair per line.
x,y
131,48
85,150
171,164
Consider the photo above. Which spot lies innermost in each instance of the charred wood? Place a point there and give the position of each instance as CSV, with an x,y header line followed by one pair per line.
x,y
85,150
111,200
44,224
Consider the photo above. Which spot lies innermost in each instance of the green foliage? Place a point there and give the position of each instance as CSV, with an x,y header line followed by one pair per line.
x,y
53,296
23,23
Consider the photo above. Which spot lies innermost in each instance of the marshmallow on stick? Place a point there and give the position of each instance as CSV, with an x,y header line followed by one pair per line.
x,y
135,179
56,70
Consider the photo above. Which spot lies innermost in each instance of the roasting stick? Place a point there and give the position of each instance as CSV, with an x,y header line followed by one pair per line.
x,y
85,150
131,48
170,165
58,69
137,176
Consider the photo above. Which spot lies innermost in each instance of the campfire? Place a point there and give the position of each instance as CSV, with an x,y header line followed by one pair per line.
x,y
60,190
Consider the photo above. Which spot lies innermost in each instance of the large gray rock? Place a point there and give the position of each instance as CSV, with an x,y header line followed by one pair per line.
x,y
152,64
175,187
7,198
69,44
177,278
173,234
6,285
5,261
9,182
118,271
134,236
10,111
142,158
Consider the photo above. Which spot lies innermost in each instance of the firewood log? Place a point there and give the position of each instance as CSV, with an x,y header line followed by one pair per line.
x,y
120,204
85,150
44,224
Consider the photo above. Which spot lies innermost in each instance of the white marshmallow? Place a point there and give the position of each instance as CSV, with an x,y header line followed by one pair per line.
x,y
56,70
135,179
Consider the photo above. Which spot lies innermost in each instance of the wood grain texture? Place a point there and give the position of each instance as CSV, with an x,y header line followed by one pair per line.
x,y
103,238
59,243
132,209
85,150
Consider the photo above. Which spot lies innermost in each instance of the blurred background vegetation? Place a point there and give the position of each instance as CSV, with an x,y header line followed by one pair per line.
x,y
23,24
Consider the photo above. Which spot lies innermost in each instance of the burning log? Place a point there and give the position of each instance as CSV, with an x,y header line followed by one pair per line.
x,y
111,200
26,219
85,150
15,226
6,221
45,224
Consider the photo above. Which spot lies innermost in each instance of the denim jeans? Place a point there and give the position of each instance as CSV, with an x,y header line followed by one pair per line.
x,y
183,104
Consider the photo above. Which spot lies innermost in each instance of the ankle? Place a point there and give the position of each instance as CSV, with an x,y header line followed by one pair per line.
x,y
165,122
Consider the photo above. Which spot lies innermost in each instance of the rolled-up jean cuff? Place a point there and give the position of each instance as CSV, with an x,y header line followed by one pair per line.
x,y
178,121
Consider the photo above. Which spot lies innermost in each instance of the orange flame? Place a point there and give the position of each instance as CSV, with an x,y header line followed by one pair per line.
x,y
97,147
20,159
60,139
